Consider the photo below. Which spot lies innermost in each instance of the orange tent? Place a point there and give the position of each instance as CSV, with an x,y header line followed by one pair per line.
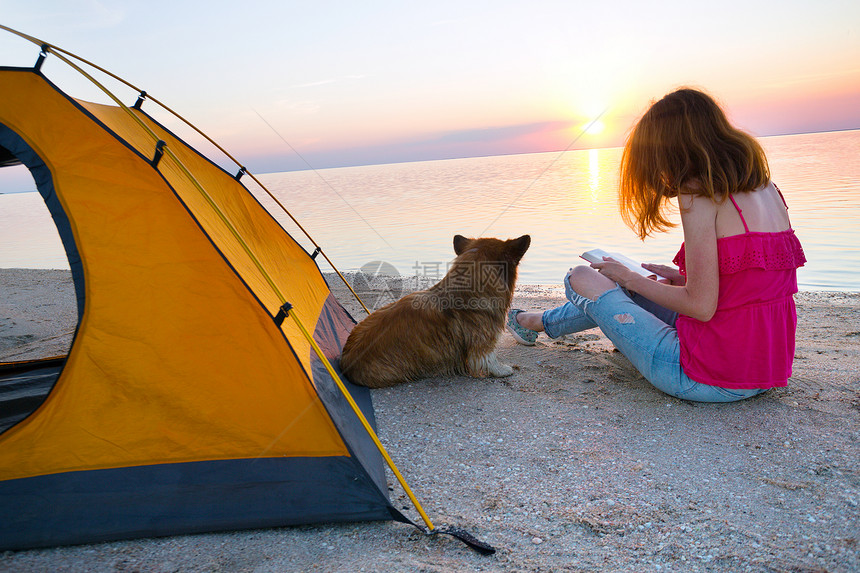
x,y
186,403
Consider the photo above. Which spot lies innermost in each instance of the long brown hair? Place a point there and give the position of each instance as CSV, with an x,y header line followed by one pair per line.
x,y
685,144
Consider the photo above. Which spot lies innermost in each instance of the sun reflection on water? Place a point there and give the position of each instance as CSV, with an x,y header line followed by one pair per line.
x,y
594,173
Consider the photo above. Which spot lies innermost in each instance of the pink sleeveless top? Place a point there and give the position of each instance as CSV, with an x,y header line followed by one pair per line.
x,y
749,342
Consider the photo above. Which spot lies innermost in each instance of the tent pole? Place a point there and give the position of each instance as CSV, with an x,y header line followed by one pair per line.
x,y
160,150
46,47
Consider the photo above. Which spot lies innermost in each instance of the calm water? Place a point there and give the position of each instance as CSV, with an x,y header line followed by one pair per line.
x,y
407,214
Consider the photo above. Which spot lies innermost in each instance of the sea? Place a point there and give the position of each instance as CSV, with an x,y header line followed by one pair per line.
x,y
403,216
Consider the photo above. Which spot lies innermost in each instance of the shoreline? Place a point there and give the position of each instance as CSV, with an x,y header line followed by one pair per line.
x,y
574,463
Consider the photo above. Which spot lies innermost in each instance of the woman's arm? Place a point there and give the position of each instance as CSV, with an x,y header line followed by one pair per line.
x,y
698,297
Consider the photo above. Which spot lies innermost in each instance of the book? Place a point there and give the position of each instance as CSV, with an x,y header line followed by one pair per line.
x,y
596,256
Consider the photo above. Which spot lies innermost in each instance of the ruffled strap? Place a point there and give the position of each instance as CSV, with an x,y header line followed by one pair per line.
x,y
767,251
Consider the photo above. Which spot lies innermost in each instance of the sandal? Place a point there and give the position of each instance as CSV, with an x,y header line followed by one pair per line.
x,y
521,334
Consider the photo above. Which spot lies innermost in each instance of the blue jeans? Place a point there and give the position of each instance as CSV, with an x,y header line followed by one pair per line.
x,y
644,332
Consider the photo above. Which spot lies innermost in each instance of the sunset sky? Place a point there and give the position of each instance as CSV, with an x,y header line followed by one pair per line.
x,y
349,83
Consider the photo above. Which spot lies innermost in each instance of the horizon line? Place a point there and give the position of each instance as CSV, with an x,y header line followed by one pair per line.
x,y
484,155
476,156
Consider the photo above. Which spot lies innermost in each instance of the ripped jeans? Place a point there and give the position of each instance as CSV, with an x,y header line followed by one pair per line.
x,y
644,332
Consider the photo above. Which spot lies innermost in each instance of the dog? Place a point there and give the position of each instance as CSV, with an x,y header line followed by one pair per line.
x,y
449,329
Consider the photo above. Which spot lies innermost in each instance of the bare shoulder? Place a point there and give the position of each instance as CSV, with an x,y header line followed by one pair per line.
x,y
697,206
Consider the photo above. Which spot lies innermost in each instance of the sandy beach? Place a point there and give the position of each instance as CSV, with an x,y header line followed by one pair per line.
x,y
574,463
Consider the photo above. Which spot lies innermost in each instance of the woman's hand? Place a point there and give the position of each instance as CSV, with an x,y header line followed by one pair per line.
x,y
616,272
669,275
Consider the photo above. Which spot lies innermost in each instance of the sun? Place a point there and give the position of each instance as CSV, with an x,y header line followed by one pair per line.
x,y
595,127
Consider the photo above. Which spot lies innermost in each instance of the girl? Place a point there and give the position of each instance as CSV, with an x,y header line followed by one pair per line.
x,y
720,327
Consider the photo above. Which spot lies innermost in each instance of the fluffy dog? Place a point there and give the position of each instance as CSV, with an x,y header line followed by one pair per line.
x,y
450,328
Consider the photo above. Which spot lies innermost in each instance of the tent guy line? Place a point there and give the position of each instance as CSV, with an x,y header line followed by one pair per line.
x,y
323,179
547,168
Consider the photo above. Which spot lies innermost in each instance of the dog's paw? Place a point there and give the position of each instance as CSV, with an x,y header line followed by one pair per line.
x,y
499,370
489,365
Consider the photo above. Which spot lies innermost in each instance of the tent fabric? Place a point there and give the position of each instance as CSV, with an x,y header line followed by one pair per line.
x,y
172,499
180,391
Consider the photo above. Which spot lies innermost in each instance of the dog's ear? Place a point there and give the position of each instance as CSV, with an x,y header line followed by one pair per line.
x,y
518,247
461,243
